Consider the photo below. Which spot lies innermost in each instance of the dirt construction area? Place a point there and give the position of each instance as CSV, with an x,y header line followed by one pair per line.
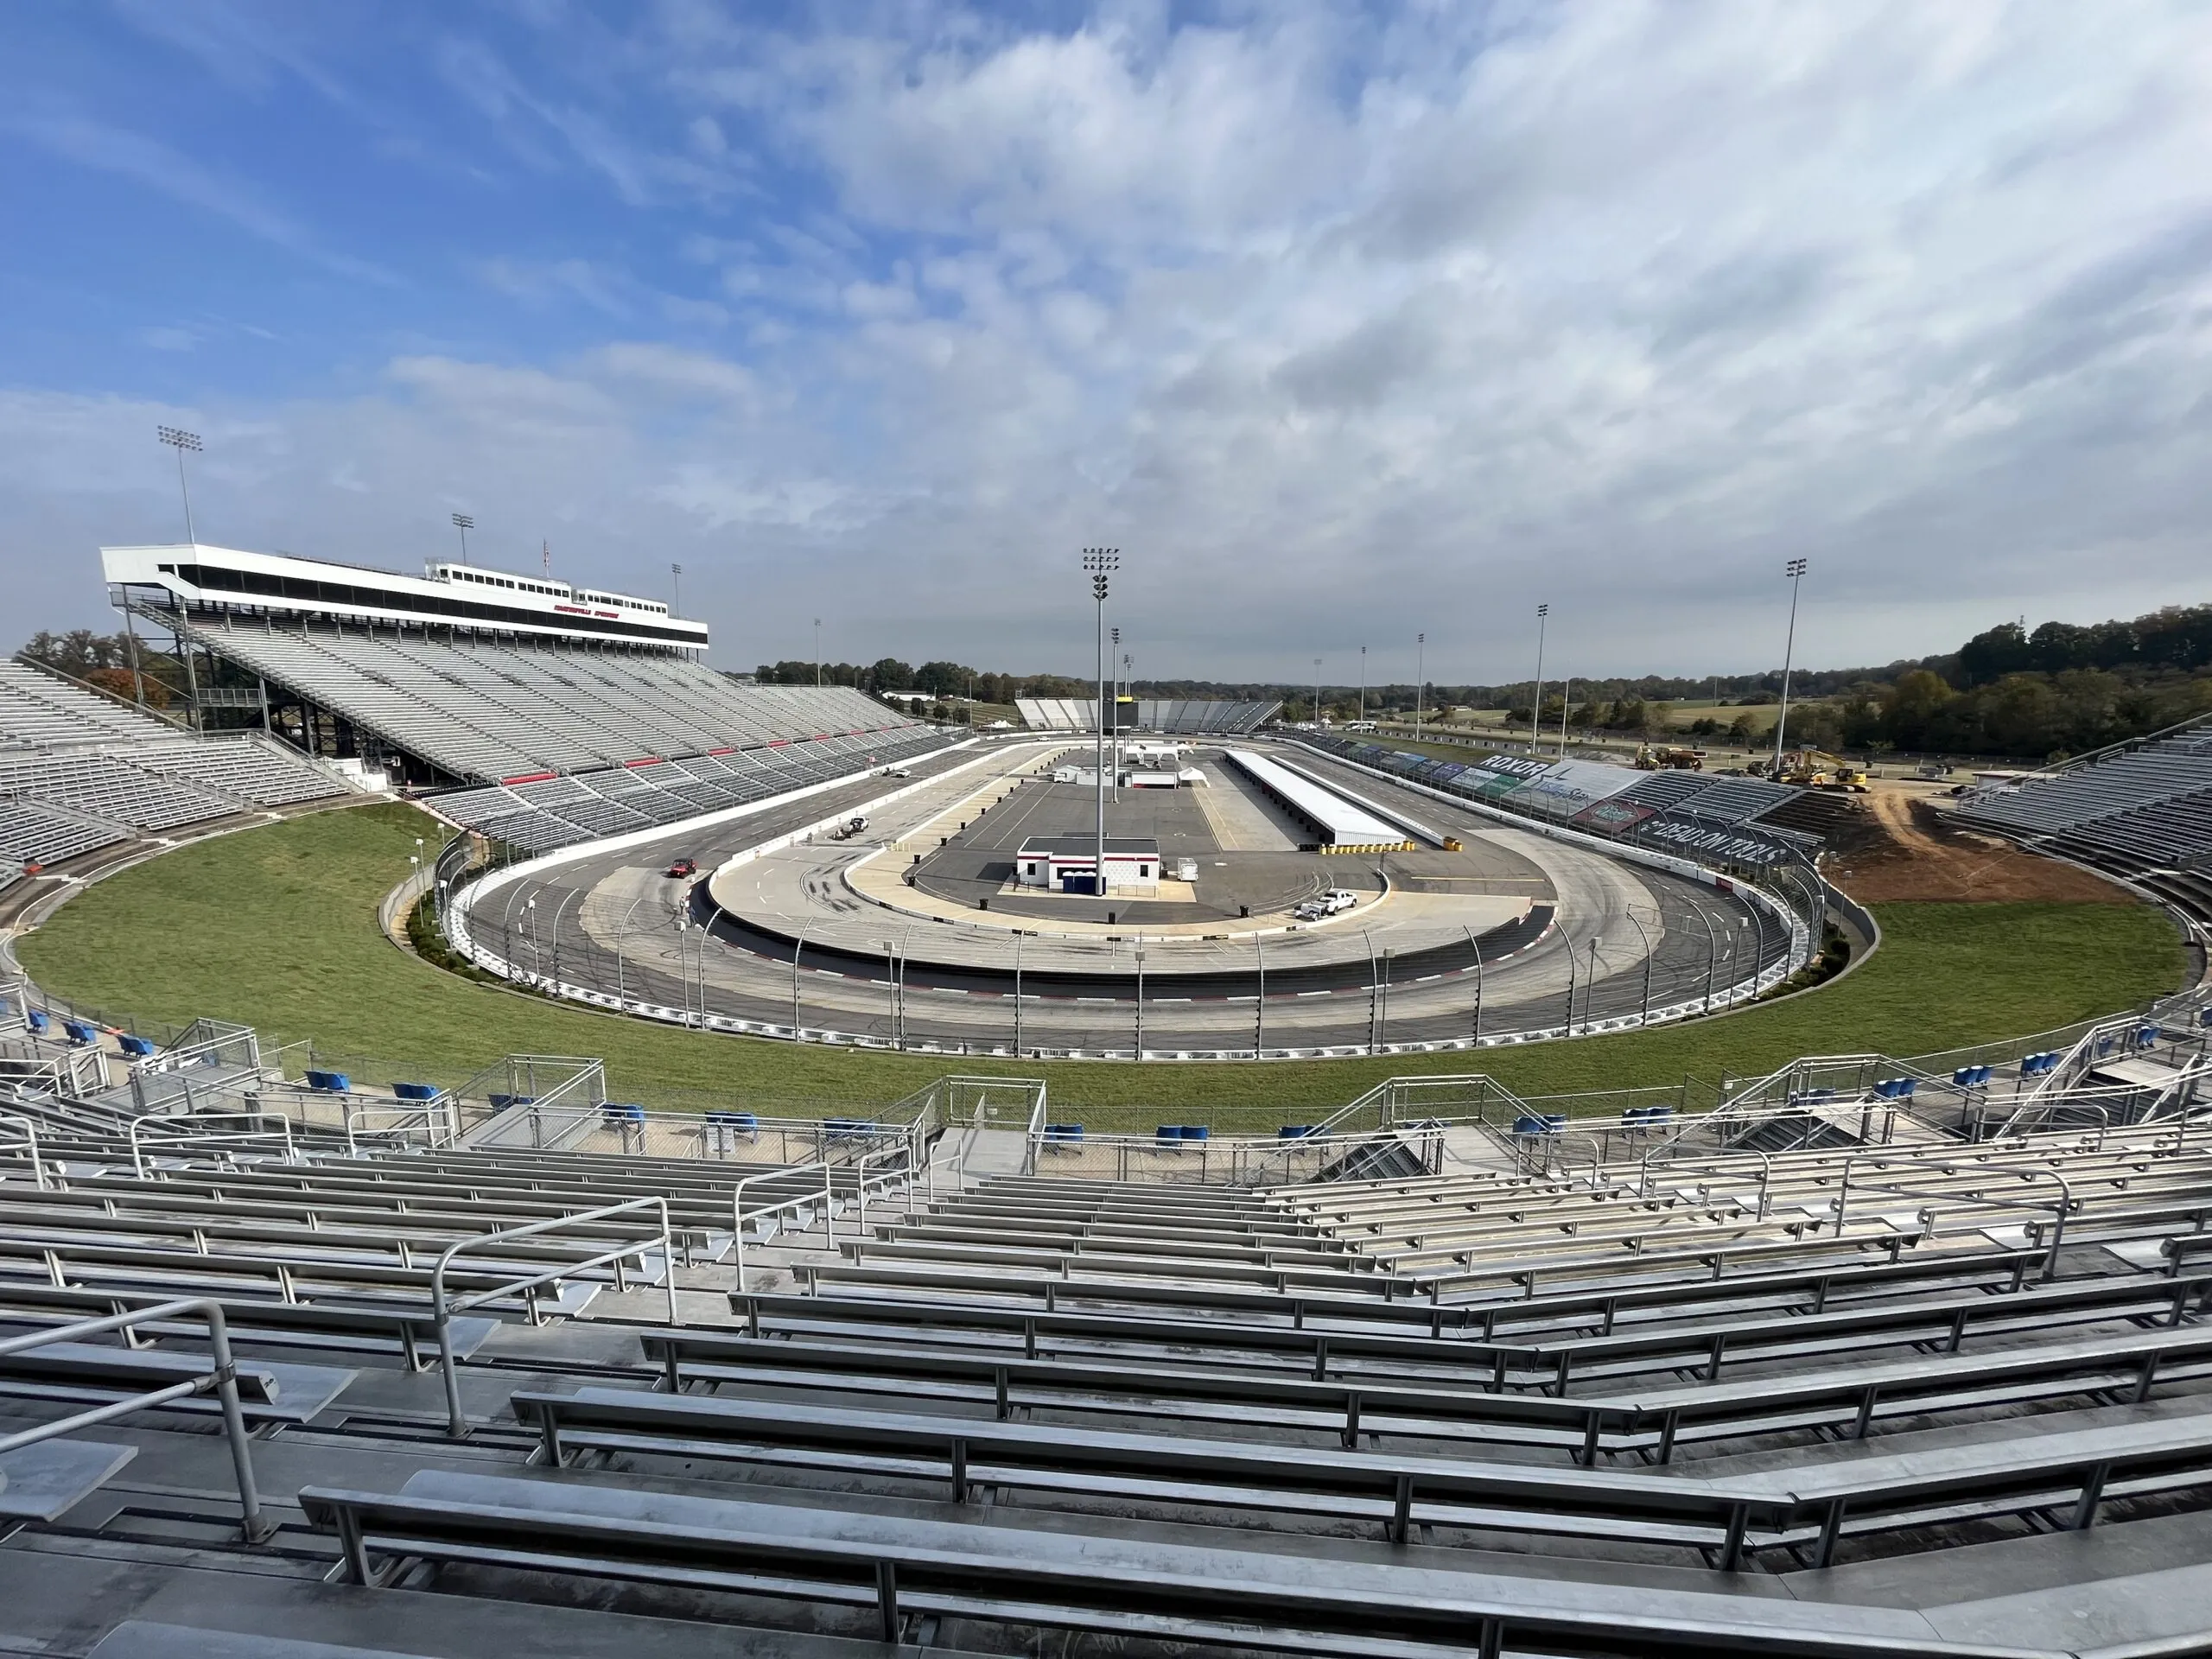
x,y
1904,849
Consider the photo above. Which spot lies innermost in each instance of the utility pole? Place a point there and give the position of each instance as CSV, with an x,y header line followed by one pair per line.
x,y
1101,562
1317,694
1536,712
1421,677
1362,685
1796,571
817,653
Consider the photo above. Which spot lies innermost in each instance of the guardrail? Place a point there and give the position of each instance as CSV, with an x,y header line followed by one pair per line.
x,y
221,1379
443,1307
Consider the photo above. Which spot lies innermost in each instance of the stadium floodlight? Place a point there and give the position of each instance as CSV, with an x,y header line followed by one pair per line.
x,y
1101,562
464,523
1317,694
817,653
1420,677
1362,685
675,601
1796,571
1536,710
180,439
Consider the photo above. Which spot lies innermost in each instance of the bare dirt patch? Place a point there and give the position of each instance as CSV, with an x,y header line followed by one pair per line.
x,y
1904,850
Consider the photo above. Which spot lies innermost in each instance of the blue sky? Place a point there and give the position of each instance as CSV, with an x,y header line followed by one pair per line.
x,y
1345,322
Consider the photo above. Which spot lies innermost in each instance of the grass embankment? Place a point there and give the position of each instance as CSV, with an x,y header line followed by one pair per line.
x,y
276,928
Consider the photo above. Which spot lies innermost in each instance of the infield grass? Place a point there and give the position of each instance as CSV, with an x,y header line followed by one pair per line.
x,y
276,928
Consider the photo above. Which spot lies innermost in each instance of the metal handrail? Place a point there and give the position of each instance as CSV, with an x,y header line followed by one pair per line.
x,y
225,1137
2065,1194
828,1199
222,1376
30,1135
443,1308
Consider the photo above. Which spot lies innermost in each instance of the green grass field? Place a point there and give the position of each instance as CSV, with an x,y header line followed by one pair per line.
x,y
276,928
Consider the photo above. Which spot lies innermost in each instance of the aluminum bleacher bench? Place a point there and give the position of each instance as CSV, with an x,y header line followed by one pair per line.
x,y
45,1480
1346,1407
898,1565
268,1392
409,1330
1396,1490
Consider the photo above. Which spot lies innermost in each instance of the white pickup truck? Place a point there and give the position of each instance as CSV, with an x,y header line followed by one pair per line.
x,y
1334,902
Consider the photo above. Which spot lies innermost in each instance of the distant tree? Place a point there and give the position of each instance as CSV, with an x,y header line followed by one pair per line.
x,y
80,651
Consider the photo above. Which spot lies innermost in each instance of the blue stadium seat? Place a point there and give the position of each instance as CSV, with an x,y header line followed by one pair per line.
x,y
37,1020
414,1090
137,1047
1294,1131
79,1032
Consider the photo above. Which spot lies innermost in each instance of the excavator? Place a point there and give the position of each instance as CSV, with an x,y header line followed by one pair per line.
x,y
1668,758
1814,769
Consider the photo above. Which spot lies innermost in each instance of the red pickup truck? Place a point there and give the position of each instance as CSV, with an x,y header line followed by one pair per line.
x,y
684,866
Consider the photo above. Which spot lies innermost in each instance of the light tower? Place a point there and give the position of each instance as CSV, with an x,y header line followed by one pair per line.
x,y
1421,677
1115,634
1796,571
464,523
1536,714
180,439
1102,562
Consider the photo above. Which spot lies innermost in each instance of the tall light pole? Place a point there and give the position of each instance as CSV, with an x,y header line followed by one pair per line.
x,y
180,439
1536,712
676,604
1362,685
1564,698
1102,562
464,523
1796,571
1317,694
1421,677
1115,787
817,653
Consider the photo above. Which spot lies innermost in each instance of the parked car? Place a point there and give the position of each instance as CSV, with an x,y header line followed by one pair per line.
x,y
898,772
684,866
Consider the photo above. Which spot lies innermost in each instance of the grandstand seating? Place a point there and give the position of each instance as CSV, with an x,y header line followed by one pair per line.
x,y
478,708
40,710
550,813
79,773
1701,1401
1191,717
2144,812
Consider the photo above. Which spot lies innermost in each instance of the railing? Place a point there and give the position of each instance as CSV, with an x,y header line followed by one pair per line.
x,y
803,1203
443,1307
221,1378
29,1130
156,1133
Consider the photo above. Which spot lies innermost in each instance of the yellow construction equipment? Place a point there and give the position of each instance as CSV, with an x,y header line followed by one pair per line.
x,y
1668,758
1813,769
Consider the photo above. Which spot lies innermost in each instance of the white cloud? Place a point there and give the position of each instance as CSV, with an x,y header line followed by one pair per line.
x,y
1342,330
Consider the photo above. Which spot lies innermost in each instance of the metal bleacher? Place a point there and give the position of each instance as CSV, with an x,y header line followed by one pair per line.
x,y
79,773
459,1395
2143,811
549,813
489,710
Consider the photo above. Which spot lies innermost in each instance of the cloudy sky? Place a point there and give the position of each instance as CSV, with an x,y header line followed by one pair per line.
x,y
1342,322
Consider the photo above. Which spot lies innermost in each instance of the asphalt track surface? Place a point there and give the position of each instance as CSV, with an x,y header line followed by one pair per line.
x,y
1636,937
